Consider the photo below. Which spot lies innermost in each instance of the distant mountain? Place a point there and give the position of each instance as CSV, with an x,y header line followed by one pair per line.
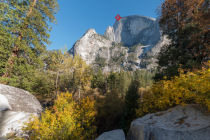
x,y
132,43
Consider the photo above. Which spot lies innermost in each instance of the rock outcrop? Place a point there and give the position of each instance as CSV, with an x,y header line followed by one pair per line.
x,y
89,46
132,43
16,107
134,30
112,135
109,34
178,123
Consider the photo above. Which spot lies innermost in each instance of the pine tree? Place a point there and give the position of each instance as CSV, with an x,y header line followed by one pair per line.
x,y
25,23
131,104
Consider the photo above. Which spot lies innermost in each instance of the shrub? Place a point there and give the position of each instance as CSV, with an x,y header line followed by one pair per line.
x,y
192,87
68,119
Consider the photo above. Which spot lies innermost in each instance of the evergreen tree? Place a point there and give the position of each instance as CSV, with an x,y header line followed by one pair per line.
x,y
24,25
131,104
186,22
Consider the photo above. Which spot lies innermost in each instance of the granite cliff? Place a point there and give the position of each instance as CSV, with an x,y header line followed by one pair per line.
x,y
132,43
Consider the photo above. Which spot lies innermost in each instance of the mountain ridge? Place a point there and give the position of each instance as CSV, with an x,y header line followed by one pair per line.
x,y
131,43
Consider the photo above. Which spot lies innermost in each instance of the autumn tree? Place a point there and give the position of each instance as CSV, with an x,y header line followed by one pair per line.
x,y
49,79
67,120
186,88
82,75
63,72
186,22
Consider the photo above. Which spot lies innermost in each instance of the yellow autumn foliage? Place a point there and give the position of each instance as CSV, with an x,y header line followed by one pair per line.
x,y
67,120
192,87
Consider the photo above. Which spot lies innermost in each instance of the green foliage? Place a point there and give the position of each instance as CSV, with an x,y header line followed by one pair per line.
x,y
64,73
145,77
118,100
133,48
24,33
99,81
131,104
101,62
5,48
109,112
132,57
121,81
67,120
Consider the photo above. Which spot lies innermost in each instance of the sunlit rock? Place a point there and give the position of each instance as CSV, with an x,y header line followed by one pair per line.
x,y
178,123
16,107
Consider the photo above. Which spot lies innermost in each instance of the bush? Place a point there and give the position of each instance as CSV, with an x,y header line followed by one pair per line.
x,y
192,87
67,120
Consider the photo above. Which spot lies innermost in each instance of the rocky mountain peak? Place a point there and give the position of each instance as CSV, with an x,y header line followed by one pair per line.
x,y
90,32
110,33
132,43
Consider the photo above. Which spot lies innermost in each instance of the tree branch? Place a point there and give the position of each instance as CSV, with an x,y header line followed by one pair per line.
x,y
31,8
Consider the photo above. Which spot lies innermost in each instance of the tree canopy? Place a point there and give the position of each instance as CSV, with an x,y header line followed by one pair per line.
x,y
24,29
186,22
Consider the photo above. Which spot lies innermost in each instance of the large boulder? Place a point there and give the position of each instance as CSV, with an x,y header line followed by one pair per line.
x,y
112,135
178,123
16,107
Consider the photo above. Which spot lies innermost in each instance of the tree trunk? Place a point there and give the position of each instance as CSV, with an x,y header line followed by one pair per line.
x,y
79,93
31,8
56,84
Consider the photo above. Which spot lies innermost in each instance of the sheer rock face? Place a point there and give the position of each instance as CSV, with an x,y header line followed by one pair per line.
x,y
136,41
16,107
132,30
110,33
112,135
178,123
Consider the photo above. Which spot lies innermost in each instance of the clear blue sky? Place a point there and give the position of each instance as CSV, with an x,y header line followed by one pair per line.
x,y
75,17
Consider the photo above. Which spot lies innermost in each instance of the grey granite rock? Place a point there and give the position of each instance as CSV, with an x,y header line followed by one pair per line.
x,y
178,123
16,107
112,135
132,30
114,47
110,33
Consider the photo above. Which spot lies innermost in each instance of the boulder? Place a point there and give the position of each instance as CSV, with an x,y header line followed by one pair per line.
x,y
16,107
112,135
178,123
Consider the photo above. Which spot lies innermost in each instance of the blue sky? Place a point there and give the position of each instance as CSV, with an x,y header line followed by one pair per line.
x,y
75,17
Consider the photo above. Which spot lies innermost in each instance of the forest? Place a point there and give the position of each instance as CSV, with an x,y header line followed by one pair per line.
x,y
80,101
